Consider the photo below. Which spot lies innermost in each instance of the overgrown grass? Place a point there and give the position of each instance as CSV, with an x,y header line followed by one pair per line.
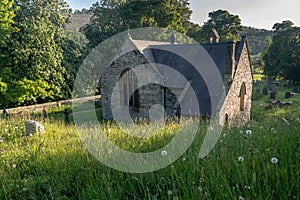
x,y
56,165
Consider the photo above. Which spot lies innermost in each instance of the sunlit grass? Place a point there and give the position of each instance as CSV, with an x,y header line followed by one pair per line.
x,y
56,165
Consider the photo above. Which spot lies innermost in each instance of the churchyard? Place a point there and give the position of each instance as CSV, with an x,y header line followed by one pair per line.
x,y
257,161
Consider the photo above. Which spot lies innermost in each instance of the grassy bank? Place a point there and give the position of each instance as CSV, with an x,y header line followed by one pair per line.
x,y
56,165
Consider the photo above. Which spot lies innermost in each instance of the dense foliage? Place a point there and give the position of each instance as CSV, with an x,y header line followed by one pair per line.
x,y
282,58
36,62
227,25
112,17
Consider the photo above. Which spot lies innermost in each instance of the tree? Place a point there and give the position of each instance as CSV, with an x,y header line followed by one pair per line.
x,y
112,17
282,58
227,25
7,13
35,51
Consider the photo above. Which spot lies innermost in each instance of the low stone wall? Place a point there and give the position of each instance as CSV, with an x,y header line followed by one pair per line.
x,y
39,107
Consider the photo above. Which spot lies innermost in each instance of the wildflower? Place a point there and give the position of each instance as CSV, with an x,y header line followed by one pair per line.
x,y
241,198
14,165
5,130
183,159
247,187
274,160
170,192
249,132
164,153
176,198
241,159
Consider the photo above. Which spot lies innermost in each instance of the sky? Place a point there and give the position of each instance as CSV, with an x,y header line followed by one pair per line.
x,y
254,13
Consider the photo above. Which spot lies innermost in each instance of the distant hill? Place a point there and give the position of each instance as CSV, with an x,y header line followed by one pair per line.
x,y
77,21
256,38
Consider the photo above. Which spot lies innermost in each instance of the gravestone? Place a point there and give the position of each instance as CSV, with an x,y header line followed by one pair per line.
x,y
272,95
288,95
275,89
33,127
257,91
265,91
296,90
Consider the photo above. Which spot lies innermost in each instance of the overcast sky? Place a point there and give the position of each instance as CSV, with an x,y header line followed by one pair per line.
x,y
255,13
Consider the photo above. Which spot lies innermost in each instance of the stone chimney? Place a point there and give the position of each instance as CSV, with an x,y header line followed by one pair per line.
x,y
214,37
173,38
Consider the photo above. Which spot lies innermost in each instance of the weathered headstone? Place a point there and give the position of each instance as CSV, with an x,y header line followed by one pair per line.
x,y
275,89
296,90
33,127
288,95
4,113
257,91
272,95
67,113
265,91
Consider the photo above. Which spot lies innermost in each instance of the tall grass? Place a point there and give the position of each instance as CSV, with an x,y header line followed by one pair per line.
x,y
56,165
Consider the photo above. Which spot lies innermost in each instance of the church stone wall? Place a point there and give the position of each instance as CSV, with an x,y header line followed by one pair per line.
x,y
231,107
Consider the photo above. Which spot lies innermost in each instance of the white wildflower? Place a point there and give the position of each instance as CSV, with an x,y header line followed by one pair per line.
x,y
176,198
241,159
170,192
14,165
164,153
249,132
274,160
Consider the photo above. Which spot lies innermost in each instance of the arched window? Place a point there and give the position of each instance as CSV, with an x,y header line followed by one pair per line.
x,y
226,118
242,96
129,95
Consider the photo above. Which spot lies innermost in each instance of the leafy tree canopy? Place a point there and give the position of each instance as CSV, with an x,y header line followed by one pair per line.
x,y
282,58
114,16
227,25
7,13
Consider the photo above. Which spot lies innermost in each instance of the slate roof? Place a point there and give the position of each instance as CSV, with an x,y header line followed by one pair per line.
x,y
161,53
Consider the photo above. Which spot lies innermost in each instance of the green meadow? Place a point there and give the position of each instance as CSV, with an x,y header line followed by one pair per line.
x,y
260,160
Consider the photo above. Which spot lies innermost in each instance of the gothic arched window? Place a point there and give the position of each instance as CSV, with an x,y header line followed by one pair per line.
x,y
242,96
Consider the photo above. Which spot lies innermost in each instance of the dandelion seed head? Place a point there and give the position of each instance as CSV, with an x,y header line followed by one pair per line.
x,y
249,132
274,160
176,198
164,153
241,159
169,192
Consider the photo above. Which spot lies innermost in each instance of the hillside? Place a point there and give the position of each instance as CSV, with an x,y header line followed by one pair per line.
x,y
256,38
77,21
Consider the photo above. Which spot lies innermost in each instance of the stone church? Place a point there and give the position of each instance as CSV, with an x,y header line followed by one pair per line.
x,y
135,95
